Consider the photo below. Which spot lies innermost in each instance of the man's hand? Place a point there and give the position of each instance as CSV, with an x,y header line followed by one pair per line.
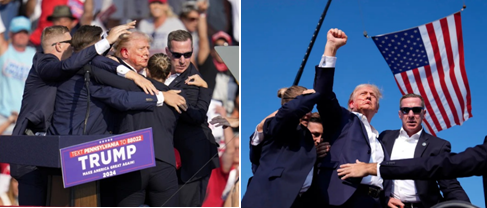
x,y
225,122
357,170
13,117
395,203
322,149
260,126
172,98
115,32
142,82
335,39
196,80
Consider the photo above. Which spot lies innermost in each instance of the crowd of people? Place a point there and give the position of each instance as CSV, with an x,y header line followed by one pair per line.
x,y
336,158
149,63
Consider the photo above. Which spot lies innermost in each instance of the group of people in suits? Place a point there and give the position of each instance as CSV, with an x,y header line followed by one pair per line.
x,y
290,172
86,93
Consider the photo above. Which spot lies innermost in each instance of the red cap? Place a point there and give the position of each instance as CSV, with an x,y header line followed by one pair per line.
x,y
162,1
221,35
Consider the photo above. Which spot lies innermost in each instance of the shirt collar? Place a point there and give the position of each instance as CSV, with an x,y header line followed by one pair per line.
x,y
413,137
142,72
364,119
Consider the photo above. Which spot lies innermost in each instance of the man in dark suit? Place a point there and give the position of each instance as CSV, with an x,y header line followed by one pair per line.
x,y
155,186
351,137
412,142
51,66
286,154
192,138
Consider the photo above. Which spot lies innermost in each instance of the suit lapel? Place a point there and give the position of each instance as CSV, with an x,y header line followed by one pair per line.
x,y
421,146
391,140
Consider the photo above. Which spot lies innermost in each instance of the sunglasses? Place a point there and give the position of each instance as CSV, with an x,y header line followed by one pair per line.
x,y
416,110
178,55
65,41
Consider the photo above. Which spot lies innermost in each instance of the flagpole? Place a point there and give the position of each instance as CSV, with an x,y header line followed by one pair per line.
x,y
317,30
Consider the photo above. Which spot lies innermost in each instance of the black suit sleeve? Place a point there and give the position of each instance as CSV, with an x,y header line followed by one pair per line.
x,y
470,162
288,116
51,69
451,188
196,113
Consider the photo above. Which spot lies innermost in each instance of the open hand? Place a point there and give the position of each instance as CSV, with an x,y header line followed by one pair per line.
x,y
116,31
145,84
357,170
173,99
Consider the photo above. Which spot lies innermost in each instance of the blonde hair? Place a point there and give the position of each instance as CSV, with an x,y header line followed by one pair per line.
x,y
289,93
49,33
159,66
376,90
125,39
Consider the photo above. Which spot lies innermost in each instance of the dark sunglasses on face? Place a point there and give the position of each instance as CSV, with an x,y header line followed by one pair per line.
x,y
178,55
416,110
65,41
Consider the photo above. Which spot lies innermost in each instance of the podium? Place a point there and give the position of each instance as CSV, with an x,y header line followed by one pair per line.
x,y
43,151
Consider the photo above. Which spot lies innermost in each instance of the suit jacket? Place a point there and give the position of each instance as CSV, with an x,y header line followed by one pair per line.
x,y
163,119
41,85
286,158
40,92
428,190
468,163
193,138
71,106
348,139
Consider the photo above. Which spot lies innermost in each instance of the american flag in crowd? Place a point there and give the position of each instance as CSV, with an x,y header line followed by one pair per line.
x,y
428,60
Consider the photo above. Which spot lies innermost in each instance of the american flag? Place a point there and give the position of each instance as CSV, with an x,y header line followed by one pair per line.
x,y
428,60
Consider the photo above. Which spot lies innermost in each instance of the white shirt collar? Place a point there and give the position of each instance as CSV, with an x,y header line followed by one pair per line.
x,y
413,137
142,72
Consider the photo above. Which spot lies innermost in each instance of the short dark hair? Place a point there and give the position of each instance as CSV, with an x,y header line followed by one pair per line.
x,y
179,35
315,117
85,36
411,95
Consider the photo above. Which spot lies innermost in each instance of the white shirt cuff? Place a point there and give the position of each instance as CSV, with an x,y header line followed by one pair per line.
x,y
328,62
378,170
160,99
257,138
122,70
2,26
101,46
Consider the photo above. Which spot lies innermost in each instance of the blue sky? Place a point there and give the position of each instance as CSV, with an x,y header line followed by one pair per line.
x,y
276,34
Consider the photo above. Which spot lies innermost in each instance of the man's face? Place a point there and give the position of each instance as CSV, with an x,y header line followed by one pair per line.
x,y
364,99
411,122
20,39
316,130
63,21
179,64
191,21
66,48
138,53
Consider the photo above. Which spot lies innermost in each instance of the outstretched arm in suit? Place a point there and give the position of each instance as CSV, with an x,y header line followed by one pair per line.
x,y
287,117
451,188
470,162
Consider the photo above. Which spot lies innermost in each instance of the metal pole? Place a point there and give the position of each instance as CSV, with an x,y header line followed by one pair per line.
x,y
317,30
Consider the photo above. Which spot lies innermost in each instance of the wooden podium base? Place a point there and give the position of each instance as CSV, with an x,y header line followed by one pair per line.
x,y
84,195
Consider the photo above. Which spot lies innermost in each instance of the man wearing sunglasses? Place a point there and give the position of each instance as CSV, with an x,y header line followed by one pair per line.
x,y
412,142
192,138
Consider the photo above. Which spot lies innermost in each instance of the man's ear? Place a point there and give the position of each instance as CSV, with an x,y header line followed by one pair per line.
x,y
124,53
350,104
168,53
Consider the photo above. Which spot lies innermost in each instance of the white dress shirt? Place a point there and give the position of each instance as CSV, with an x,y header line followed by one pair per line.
x,y
376,152
171,78
404,148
